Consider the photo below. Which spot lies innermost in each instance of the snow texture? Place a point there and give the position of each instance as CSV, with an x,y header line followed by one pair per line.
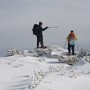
x,y
45,69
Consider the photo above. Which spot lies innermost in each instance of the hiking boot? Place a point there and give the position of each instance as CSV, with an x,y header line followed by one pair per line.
x,y
72,53
43,46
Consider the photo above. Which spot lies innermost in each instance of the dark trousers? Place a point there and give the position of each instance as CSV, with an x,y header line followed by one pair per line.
x,y
39,40
71,47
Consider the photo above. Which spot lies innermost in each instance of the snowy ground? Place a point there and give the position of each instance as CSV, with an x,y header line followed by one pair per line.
x,y
45,70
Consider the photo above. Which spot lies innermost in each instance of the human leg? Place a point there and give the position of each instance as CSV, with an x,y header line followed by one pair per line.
x,y
41,41
69,47
38,40
73,49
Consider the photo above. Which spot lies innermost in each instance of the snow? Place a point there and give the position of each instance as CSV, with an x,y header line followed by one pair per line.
x,y
45,69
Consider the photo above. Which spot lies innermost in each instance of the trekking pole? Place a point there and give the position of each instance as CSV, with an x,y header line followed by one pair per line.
x,y
52,27
64,45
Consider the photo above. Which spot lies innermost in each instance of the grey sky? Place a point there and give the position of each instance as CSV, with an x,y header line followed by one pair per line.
x,y
18,16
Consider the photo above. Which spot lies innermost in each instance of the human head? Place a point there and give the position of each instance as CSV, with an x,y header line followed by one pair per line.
x,y
72,31
40,23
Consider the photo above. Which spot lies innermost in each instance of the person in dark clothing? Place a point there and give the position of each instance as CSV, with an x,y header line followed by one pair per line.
x,y
40,35
71,41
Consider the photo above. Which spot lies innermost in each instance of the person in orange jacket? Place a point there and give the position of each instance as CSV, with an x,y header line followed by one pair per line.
x,y
71,41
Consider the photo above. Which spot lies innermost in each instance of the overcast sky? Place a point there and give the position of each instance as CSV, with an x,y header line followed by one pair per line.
x,y
18,16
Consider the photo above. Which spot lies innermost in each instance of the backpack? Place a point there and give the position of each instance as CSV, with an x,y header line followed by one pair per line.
x,y
72,39
35,29
72,42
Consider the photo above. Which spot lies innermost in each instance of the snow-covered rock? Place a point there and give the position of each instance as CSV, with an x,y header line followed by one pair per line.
x,y
87,58
43,51
69,60
37,77
50,51
83,52
30,53
13,51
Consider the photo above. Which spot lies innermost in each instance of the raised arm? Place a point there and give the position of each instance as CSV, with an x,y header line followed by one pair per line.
x,y
43,29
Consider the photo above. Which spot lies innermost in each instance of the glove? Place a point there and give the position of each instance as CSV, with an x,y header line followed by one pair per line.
x,y
46,27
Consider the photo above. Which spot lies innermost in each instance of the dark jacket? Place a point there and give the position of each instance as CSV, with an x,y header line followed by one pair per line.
x,y
40,30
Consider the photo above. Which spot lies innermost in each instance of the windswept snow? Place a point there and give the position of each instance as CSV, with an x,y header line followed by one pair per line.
x,y
45,69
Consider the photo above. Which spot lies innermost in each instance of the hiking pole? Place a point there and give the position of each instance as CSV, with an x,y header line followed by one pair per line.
x,y
64,45
52,27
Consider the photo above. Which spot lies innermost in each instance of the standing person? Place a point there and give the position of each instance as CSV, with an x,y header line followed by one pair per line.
x,y
39,34
71,41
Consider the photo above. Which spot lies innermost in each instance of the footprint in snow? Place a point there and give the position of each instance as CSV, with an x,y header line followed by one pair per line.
x,y
19,65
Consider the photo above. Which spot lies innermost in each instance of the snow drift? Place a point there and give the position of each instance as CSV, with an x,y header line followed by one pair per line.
x,y
45,69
